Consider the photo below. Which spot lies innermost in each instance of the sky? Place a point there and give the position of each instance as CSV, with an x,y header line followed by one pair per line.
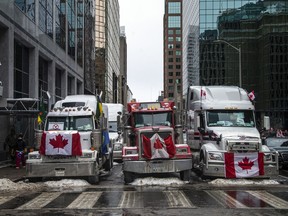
x,y
143,21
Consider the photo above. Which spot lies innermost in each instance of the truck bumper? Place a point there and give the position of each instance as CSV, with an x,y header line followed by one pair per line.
x,y
61,169
218,170
157,166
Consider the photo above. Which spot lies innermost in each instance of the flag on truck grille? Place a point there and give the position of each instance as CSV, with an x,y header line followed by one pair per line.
x,y
243,165
60,143
156,147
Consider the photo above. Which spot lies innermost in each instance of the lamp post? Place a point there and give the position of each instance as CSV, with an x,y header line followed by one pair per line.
x,y
240,63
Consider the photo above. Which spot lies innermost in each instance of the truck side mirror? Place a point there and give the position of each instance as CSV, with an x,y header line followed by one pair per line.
x,y
201,130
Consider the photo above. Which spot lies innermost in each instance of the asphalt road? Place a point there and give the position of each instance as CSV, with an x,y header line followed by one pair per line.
x,y
113,197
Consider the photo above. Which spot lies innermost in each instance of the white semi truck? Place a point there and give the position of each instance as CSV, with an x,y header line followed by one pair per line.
x,y
220,120
74,143
115,113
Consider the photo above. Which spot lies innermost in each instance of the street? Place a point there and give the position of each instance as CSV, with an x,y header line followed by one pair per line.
x,y
113,197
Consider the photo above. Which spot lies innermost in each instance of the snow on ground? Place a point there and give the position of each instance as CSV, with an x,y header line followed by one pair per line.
x,y
157,181
8,185
243,182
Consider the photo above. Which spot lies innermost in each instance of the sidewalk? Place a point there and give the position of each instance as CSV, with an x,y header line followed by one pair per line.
x,y
9,171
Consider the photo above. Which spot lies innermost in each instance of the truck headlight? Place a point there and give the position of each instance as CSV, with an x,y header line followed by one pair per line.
x,y
267,157
215,156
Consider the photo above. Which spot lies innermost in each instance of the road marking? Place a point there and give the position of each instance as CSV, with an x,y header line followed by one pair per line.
x,y
131,199
270,199
85,200
225,200
4,199
178,199
40,201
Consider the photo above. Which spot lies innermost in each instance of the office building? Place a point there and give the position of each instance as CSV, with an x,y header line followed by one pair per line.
x,y
242,43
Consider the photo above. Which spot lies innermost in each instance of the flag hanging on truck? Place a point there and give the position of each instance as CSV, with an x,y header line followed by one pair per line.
x,y
64,143
243,165
156,147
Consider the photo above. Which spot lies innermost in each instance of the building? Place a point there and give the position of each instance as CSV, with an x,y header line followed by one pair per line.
x,y
42,58
108,49
242,43
172,51
123,68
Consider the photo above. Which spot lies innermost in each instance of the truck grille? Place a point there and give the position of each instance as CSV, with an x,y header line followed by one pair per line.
x,y
242,147
59,158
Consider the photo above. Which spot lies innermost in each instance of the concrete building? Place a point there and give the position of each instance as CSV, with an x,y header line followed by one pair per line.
x,y
108,49
172,51
42,57
123,68
242,43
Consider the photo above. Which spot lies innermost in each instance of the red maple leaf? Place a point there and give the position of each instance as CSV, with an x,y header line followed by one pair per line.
x,y
59,142
158,144
245,164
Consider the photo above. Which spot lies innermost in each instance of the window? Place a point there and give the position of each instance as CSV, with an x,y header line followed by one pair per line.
x,y
170,53
58,85
170,81
178,53
178,66
170,39
170,32
174,7
178,39
170,46
170,60
170,66
178,59
21,71
170,73
46,17
178,46
71,17
174,22
170,95
43,76
28,7
170,88
178,31
60,23
178,73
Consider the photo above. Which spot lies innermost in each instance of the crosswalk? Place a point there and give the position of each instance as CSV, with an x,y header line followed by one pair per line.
x,y
175,198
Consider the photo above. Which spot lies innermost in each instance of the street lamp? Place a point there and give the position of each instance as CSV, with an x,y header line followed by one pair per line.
x,y
240,64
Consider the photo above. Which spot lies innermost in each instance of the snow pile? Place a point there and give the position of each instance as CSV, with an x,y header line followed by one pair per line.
x,y
157,181
66,184
242,182
8,185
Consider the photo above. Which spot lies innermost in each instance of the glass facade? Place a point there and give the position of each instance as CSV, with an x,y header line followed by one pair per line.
x,y
60,23
28,7
243,40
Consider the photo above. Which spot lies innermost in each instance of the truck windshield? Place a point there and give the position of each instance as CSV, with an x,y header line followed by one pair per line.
x,y
230,118
80,123
152,119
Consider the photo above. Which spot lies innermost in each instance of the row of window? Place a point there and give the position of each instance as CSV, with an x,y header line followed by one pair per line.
x,y
177,73
177,66
171,46
177,53
177,39
172,31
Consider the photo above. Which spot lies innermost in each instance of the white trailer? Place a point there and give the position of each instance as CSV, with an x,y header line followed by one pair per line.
x,y
220,119
115,125
72,143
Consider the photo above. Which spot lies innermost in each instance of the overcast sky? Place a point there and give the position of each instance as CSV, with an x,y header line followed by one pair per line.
x,y
143,21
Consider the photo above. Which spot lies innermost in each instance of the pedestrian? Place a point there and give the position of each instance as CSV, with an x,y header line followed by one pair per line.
x,y
20,151
279,133
10,142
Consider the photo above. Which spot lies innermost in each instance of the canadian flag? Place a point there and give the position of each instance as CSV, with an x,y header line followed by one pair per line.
x,y
64,143
156,147
243,165
251,95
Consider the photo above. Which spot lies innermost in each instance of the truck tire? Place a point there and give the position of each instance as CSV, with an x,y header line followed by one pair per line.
x,y
109,163
128,177
93,179
185,175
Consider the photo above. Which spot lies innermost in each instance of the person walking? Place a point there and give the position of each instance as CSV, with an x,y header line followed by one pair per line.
x,y
10,142
20,151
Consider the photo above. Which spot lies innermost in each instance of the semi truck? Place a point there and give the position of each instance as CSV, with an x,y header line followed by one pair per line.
x,y
74,142
115,114
154,142
220,124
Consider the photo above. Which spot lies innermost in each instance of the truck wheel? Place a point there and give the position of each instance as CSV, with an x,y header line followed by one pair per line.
x,y
93,179
185,175
108,164
128,177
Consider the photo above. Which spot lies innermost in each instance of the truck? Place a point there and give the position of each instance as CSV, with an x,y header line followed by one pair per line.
x,y
74,141
154,142
115,114
220,122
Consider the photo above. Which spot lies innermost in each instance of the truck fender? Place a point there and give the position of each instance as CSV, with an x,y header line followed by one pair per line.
x,y
208,147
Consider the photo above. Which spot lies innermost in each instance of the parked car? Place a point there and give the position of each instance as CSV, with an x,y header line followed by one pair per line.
x,y
280,145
